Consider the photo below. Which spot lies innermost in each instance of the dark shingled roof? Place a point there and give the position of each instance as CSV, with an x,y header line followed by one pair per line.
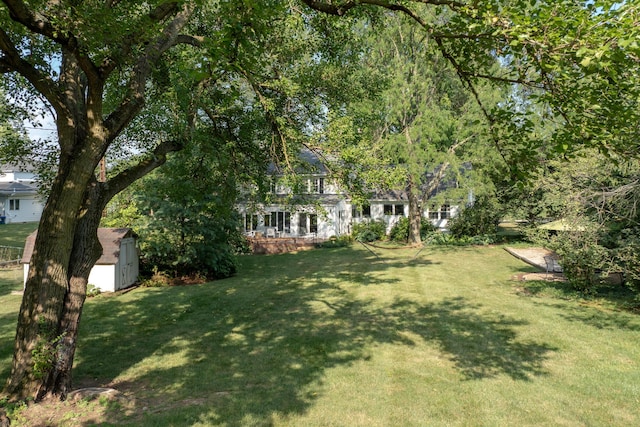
x,y
110,239
11,188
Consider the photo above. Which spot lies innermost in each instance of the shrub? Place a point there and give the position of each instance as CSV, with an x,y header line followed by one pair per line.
x,y
336,242
92,290
400,231
481,219
624,244
369,231
439,238
581,257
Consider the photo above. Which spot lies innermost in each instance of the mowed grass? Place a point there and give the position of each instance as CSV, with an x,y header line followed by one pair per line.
x,y
346,337
15,234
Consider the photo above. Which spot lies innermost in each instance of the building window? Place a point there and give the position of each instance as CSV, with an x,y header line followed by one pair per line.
x,y
393,209
250,222
315,185
445,212
433,212
313,223
14,204
361,211
280,220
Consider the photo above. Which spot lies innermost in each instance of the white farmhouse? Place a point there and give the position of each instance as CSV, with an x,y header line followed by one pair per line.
x,y
116,269
323,210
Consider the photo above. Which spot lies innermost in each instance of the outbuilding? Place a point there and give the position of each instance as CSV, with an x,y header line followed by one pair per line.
x,y
116,269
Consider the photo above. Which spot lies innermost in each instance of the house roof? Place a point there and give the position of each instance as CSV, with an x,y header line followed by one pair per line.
x,y
11,188
308,162
110,239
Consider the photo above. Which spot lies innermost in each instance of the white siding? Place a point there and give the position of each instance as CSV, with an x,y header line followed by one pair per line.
x,y
103,277
30,210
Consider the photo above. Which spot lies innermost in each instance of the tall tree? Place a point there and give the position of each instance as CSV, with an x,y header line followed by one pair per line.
x,y
578,61
429,123
100,66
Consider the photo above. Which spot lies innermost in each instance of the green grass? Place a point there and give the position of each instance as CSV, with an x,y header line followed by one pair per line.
x,y
346,337
15,234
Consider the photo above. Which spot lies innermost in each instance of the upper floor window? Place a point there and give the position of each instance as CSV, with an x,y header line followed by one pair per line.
x,y
315,185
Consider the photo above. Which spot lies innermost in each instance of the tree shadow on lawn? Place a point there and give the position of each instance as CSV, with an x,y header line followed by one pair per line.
x,y
259,344
622,299
597,318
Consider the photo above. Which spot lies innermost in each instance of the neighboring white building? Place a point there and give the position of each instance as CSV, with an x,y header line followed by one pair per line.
x,y
323,210
19,197
117,268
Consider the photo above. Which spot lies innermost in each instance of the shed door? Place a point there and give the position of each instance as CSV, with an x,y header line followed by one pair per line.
x,y
128,262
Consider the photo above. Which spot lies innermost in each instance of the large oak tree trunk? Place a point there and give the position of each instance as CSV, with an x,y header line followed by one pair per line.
x,y
85,253
64,252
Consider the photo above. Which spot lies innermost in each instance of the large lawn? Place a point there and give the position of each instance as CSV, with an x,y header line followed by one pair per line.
x,y
346,337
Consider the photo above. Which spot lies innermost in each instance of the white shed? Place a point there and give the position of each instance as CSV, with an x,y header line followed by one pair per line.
x,y
116,269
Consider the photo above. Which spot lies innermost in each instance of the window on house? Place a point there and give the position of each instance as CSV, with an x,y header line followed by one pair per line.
x,y
281,220
393,209
433,212
313,223
361,211
267,220
250,222
275,186
445,212
315,185
14,204
302,223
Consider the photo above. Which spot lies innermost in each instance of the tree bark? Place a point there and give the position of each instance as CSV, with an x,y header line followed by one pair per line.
x,y
40,333
415,213
86,251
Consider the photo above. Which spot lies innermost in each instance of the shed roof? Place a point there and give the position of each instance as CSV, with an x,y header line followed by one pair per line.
x,y
110,239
